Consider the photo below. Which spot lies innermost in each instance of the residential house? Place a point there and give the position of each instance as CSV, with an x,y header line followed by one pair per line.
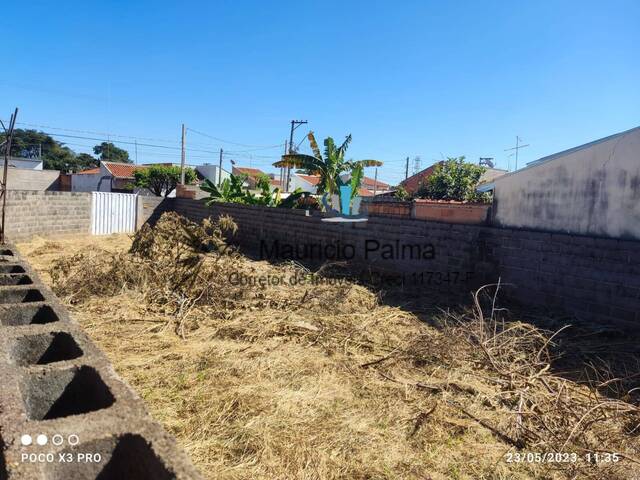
x,y
251,173
108,177
413,183
212,172
371,185
592,189
307,183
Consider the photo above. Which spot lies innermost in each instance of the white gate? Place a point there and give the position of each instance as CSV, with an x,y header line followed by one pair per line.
x,y
113,213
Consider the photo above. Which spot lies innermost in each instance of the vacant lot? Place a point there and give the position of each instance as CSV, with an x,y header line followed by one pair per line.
x,y
324,380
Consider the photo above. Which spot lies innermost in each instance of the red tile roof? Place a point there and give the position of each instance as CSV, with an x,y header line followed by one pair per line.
x,y
312,179
122,170
370,183
412,184
252,172
363,192
90,171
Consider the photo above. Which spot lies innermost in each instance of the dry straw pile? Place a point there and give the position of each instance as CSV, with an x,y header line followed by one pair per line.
x,y
318,379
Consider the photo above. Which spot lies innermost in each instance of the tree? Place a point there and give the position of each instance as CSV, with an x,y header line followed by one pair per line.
x,y
55,155
162,180
454,179
330,166
87,161
110,153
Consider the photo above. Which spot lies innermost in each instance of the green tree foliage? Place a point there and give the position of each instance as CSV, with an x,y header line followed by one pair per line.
x,y
161,179
454,179
55,155
401,193
108,152
231,191
88,161
329,166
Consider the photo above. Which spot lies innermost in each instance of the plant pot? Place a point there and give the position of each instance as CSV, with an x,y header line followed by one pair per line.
x,y
451,212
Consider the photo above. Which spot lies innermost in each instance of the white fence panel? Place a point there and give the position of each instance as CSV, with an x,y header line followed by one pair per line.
x,y
113,213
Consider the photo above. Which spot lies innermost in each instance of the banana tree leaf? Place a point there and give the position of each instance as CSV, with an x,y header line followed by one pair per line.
x,y
367,163
297,160
314,146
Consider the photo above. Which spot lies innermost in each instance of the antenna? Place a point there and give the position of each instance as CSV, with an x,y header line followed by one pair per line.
x,y
516,148
416,164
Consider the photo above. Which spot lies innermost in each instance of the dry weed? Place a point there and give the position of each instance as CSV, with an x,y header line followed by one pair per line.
x,y
323,380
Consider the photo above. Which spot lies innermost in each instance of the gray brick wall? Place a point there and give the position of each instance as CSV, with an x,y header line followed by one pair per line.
x,y
594,279
32,213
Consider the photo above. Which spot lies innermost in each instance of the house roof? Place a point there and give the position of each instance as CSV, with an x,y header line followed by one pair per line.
x,y
311,179
370,183
412,183
122,170
579,147
363,192
90,171
252,172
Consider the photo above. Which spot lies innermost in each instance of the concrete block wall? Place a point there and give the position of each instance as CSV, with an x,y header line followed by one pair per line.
x,y
596,280
150,208
29,179
64,413
31,212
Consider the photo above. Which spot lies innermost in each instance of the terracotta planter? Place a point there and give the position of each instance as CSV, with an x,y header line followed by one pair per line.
x,y
451,212
389,209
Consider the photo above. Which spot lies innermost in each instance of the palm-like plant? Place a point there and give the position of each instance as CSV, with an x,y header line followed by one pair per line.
x,y
230,190
329,166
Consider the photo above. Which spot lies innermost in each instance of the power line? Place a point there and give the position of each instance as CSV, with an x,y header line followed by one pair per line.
x,y
258,147
89,132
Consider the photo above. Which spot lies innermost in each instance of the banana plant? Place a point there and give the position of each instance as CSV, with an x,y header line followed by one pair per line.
x,y
230,190
329,166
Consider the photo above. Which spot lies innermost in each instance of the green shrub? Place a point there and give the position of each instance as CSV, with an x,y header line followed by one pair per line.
x,y
454,179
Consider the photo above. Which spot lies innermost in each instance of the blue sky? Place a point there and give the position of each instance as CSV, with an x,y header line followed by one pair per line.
x,y
404,78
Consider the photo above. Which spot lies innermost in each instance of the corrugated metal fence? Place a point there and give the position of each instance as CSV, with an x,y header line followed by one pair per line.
x,y
113,213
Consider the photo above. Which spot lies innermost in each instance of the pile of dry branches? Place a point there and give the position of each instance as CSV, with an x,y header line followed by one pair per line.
x,y
540,410
182,268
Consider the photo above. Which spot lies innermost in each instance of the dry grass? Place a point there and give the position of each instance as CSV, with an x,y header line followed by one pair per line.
x,y
325,381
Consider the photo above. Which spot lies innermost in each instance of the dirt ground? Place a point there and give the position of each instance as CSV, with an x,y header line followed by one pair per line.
x,y
311,393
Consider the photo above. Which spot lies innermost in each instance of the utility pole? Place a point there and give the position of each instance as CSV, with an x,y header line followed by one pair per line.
x,y
406,169
294,124
220,169
7,155
136,142
517,148
375,183
282,169
183,155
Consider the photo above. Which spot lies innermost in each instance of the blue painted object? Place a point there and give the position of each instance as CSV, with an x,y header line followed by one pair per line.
x,y
345,199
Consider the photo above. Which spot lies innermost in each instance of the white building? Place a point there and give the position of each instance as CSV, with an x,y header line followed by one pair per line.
x,y
307,183
212,172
